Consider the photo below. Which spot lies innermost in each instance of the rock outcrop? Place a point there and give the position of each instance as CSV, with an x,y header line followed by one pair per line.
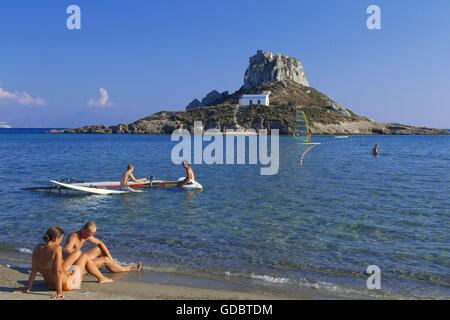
x,y
211,99
336,106
194,104
264,67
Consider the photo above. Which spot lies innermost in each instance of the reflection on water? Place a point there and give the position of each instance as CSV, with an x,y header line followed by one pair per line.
x,y
189,198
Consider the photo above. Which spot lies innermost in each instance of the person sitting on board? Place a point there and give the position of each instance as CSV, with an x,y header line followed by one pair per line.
x,y
375,150
189,175
129,175
99,255
58,274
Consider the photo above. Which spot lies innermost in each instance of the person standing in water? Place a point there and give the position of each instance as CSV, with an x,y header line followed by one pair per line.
x,y
189,175
375,150
127,176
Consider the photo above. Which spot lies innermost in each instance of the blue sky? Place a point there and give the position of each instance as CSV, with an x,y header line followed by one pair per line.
x,y
149,56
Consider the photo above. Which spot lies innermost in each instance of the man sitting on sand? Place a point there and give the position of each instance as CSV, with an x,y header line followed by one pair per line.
x,y
99,255
189,175
47,260
375,150
127,176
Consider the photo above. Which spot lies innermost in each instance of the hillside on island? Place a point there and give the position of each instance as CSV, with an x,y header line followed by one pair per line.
x,y
281,77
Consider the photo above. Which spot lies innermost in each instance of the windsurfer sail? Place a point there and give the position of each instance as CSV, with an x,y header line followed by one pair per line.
x,y
302,132
301,129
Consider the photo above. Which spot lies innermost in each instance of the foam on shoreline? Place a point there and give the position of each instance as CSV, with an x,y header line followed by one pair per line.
x,y
13,277
178,283
148,284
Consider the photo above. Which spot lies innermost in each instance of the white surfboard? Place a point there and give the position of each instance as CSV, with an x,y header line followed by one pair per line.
x,y
191,185
112,184
88,189
149,183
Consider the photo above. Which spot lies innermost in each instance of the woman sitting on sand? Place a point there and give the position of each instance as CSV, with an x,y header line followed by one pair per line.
x,y
47,259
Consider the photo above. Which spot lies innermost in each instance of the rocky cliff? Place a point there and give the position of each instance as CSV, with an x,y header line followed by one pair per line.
x,y
287,83
264,67
212,98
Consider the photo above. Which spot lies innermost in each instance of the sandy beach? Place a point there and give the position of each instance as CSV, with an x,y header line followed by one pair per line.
x,y
12,277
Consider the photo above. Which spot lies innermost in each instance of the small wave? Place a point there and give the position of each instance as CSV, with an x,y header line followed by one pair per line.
x,y
25,250
163,269
123,264
324,287
269,279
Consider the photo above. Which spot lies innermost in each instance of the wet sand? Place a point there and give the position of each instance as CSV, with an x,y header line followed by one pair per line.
x,y
13,277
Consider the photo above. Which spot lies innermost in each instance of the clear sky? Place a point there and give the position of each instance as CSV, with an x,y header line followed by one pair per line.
x,y
134,58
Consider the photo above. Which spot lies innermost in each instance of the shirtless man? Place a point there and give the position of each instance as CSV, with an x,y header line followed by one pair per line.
x,y
127,176
189,175
47,260
375,150
99,255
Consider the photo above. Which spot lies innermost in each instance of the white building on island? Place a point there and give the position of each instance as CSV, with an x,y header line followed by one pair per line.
x,y
248,99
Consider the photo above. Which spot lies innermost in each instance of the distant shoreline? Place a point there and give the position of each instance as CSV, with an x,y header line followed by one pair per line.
x,y
237,133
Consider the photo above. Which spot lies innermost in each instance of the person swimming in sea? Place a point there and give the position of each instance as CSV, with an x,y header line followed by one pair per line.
x,y
58,274
375,150
127,176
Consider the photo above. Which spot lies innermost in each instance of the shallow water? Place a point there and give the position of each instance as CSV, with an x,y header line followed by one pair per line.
x,y
317,225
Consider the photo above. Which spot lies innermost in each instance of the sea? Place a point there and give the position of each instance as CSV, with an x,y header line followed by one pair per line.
x,y
342,224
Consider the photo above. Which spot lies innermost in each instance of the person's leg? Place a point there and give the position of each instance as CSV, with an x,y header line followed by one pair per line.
x,y
70,259
101,262
94,253
86,265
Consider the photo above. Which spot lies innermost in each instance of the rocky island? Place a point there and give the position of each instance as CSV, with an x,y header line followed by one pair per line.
x,y
285,80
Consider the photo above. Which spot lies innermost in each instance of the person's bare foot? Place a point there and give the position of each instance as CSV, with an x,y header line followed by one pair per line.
x,y
105,280
136,267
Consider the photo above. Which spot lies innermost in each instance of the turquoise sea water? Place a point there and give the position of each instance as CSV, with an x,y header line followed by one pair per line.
x,y
317,225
